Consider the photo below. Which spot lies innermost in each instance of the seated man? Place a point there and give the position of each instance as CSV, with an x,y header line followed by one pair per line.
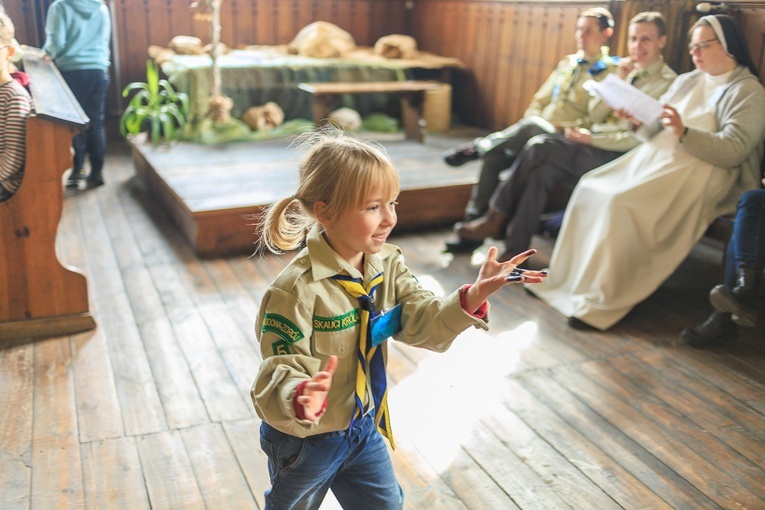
x,y
550,161
15,107
560,102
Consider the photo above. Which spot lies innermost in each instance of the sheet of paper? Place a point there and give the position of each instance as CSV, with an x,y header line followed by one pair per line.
x,y
620,95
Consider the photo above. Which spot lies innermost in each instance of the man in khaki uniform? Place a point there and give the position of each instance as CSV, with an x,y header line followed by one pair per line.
x,y
560,102
551,161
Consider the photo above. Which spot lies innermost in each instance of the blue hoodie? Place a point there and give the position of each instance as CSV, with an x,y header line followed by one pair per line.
x,y
77,34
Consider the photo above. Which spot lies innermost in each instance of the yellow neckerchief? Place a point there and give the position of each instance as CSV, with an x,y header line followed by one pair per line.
x,y
370,359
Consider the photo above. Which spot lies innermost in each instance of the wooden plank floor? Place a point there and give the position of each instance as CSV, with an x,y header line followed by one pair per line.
x,y
151,410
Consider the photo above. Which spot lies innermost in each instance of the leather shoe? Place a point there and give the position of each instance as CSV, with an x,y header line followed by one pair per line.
x,y
461,154
492,224
94,183
462,246
713,332
74,179
723,300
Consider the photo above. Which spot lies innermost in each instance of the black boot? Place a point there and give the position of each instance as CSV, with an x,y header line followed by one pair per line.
x,y
74,178
746,284
713,332
723,300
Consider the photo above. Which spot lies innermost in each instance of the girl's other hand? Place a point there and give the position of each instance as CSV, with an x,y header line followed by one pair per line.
x,y
315,391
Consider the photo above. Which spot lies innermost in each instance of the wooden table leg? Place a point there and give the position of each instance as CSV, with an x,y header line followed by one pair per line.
x,y
322,106
412,105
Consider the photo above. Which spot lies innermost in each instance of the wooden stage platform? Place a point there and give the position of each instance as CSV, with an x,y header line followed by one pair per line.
x,y
214,194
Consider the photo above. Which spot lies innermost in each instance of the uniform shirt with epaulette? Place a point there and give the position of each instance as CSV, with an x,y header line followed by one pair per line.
x,y
306,316
562,98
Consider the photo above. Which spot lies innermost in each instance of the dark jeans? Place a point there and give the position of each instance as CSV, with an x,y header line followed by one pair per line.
x,y
354,463
89,87
498,151
747,244
545,163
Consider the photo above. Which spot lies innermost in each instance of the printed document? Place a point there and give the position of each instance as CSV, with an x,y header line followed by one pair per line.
x,y
620,95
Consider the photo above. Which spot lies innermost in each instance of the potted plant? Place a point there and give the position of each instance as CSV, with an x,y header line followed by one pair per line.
x,y
156,105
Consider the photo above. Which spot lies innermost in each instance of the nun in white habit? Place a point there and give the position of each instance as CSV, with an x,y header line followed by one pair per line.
x,y
631,222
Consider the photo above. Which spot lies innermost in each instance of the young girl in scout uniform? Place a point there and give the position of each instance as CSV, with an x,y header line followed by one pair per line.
x,y
324,322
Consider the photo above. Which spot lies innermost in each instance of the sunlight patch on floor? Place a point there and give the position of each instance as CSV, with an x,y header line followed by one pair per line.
x,y
435,408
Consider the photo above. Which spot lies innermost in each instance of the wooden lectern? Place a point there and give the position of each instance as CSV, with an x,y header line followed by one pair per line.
x,y
38,296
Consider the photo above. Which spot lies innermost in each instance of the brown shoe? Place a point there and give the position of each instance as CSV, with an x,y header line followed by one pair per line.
x,y
492,224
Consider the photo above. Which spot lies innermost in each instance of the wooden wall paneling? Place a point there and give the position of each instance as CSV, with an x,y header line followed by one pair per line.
x,y
268,31
450,24
753,23
323,10
28,21
361,21
505,53
159,16
523,85
132,33
482,60
227,34
303,14
491,35
284,21
243,27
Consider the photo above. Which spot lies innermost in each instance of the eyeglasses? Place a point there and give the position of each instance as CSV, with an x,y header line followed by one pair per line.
x,y
701,46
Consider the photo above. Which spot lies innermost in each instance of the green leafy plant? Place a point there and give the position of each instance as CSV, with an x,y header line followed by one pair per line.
x,y
157,105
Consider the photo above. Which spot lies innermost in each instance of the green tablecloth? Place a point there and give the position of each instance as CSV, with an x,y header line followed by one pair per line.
x,y
254,77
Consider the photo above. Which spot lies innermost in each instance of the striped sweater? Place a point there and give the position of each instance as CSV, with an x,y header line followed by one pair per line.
x,y
15,107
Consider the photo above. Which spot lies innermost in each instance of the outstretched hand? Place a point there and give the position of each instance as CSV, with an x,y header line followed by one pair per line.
x,y
315,392
494,275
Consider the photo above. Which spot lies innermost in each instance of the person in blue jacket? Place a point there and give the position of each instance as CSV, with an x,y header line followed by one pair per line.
x,y
77,35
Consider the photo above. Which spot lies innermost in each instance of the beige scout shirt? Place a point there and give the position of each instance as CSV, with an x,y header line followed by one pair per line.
x,y
615,134
562,98
306,316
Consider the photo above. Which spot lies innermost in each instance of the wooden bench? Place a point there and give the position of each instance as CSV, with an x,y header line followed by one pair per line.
x,y
38,296
325,96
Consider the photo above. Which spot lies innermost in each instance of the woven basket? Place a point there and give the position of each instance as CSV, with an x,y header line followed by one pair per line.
x,y
438,108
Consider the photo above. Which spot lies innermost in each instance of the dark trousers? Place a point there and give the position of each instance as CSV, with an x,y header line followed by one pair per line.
x,y
89,87
747,244
498,151
546,162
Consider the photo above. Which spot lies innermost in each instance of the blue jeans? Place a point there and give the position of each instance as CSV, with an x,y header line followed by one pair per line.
x,y
89,87
747,244
354,463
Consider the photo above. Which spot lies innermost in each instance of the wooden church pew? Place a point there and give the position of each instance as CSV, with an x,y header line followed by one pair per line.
x,y
39,297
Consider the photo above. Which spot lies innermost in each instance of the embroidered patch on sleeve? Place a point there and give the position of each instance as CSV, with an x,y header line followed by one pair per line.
x,y
280,348
336,323
283,327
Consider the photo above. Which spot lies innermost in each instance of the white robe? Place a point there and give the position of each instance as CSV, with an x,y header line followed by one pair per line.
x,y
632,221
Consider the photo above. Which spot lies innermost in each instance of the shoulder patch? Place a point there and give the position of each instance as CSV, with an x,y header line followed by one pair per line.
x,y
283,327
281,348
337,323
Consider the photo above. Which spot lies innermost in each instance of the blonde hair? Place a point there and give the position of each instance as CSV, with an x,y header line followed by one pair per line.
x,y
339,170
7,31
